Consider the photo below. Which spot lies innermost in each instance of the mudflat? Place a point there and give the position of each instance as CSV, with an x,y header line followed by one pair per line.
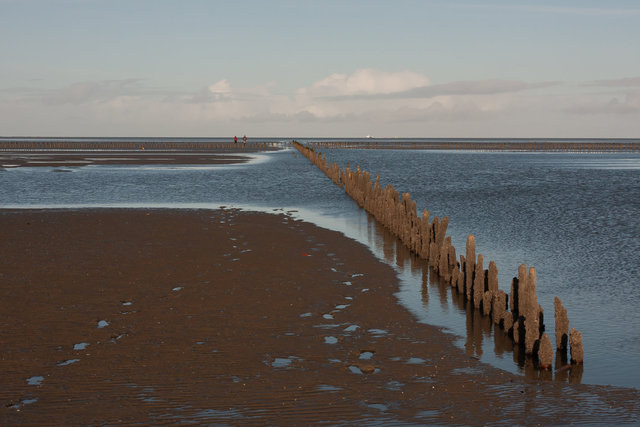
x,y
229,317
71,159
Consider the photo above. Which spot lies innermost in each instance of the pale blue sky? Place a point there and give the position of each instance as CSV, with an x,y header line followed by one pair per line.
x,y
320,68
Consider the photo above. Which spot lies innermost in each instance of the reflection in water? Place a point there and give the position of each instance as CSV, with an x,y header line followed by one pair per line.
x,y
415,273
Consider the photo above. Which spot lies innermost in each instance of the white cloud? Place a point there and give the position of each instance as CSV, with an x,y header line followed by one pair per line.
x,y
367,81
220,89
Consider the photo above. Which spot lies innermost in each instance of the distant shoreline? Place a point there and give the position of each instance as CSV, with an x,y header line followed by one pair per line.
x,y
26,144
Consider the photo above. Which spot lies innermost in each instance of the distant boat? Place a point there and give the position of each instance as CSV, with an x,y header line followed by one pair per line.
x,y
369,136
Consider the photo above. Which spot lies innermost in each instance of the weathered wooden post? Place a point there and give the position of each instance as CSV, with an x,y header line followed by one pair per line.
x,y
508,324
493,277
478,282
514,302
545,352
498,306
462,276
487,302
575,342
470,267
424,233
562,324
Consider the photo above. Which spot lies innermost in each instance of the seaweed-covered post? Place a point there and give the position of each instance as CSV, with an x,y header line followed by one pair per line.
x,y
562,324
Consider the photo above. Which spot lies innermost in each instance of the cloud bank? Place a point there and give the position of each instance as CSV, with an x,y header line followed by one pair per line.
x,y
366,101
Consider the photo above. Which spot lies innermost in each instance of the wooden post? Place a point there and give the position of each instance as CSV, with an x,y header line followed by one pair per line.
x,y
575,341
545,353
470,267
562,325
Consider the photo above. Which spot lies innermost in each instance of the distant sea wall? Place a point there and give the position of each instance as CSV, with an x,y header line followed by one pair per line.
x,y
575,146
517,314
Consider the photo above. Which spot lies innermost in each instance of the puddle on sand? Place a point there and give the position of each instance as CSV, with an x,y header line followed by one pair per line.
x,y
214,413
327,387
355,370
327,316
342,306
22,403
415,361
126,303
328,326
177,288
466,371
305,315
377,332
394,385
81,346
366,355
283,362
280,363
35,380
426,415
68,362
351,328
379,406
347,283
102,324
330,340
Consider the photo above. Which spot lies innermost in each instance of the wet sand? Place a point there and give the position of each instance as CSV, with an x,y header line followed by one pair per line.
x,y
67,159
236,318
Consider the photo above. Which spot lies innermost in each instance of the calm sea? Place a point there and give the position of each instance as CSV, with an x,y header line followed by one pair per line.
x,y
571,215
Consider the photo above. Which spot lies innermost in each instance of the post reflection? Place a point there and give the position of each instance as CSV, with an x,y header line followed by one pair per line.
x,y
482,338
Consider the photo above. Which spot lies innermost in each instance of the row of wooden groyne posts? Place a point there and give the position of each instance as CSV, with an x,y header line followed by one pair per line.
x,y
576,146
519,315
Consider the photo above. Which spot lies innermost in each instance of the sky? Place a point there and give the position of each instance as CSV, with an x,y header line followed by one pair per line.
x,y
344,68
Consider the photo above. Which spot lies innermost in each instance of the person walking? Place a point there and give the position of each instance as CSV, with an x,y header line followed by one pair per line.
x,y
235,139
244,140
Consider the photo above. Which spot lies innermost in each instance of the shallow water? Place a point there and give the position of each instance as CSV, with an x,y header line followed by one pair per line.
x,y
570,215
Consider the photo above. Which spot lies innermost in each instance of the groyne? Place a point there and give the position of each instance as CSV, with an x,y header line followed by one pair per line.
x,y
518,314
570,146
